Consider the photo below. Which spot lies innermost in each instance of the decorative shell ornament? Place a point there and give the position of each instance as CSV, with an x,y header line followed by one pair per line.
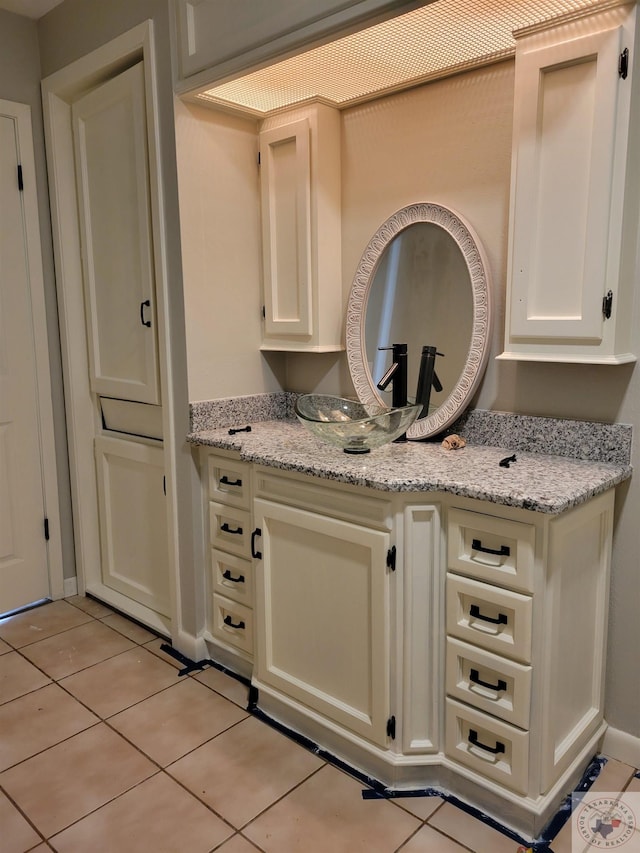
x,y
453,442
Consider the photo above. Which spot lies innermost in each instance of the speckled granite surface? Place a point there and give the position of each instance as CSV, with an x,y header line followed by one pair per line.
x,y
540,482
239,411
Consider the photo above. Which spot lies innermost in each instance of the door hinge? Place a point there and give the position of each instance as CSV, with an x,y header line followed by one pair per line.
x,y
623,64
391,727
391,558
20,181
607,304
46,529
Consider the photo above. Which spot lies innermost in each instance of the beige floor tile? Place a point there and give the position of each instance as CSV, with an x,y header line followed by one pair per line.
x,y
40,623
237,844
613,777
18,676
76,649
327,813
63,784
225,684
255,765
155,646
5,647
90,605
422,807
120,682
157,816
130,629
177,720
634,785
428,840
39,720
472,833
16,835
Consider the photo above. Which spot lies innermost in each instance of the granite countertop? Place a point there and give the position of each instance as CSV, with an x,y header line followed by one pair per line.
x,y
536,481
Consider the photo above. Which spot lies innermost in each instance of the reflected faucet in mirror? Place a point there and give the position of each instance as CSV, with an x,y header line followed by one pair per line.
x,y
427,379
397,374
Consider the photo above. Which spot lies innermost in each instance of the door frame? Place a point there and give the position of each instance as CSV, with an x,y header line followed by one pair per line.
x,y
58,92
21,114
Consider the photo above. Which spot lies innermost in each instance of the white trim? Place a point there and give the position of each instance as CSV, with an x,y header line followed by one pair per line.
x,y
622,746
70,587
22,115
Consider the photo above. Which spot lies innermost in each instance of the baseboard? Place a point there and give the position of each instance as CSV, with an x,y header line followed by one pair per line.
x,y
70,587
622,746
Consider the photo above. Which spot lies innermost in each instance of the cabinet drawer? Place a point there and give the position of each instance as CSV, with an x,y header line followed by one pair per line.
x,y
488,746
233,623
232,577
492,549
230,529
496,619
229,481
489,682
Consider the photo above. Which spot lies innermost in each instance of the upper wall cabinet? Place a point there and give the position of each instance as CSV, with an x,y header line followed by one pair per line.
x,y
220,37
573,202
301,235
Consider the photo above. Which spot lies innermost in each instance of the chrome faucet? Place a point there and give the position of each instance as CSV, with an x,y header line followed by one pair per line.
x,y
397,374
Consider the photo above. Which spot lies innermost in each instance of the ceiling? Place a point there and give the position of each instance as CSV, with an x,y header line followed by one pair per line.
x,y
29,8
437,39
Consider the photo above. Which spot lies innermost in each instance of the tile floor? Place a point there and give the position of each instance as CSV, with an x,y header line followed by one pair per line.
x,y
104,748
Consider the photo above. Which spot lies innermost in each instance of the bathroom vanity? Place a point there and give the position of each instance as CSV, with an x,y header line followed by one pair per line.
x,y
430,617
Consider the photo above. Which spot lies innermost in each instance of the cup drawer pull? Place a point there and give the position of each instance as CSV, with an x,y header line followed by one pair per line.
x,y
502,551
474,676
227,482
229,577
229,621
500,619
494,750
235,531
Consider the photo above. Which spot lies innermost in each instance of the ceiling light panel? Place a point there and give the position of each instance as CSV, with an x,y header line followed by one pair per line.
x,y
437,39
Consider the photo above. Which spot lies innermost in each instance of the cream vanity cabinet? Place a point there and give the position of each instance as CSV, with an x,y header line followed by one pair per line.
x,y
227,484
526,615
573,196
301,236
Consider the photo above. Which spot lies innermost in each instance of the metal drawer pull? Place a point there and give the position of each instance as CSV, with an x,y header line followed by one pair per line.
x,y
502,551
494,750
227,482
501,619
474,676
257,555
225,527
143,305
229,577
229,621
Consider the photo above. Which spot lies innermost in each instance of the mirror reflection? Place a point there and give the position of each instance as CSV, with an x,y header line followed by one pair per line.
x,y
421,284
420,295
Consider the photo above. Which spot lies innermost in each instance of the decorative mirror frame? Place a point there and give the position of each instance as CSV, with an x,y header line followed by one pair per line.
x,y
458,400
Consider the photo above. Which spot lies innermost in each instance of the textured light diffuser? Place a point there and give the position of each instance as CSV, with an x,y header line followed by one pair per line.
x,y
429,42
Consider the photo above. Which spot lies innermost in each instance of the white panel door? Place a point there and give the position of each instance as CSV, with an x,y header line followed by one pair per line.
x,y
112,173
24,575
133,521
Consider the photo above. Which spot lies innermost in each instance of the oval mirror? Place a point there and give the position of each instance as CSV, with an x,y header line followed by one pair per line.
x,y
423,281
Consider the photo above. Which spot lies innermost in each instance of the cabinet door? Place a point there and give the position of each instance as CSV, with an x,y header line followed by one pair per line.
x,y
322,606
112,174
133,521
286,228
570,131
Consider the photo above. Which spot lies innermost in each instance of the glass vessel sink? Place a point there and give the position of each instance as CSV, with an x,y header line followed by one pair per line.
x,y
350,425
